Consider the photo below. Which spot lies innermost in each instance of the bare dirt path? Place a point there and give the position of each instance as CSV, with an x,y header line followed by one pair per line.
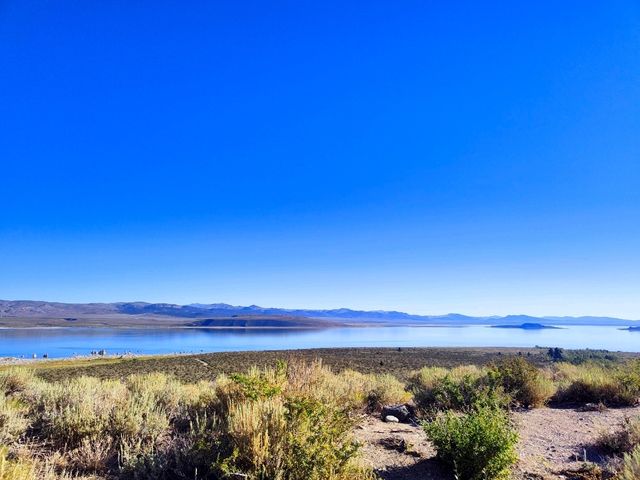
x,y
551,441
413,459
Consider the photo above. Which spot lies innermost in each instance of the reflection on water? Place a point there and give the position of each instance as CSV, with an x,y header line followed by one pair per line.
x,y
66,342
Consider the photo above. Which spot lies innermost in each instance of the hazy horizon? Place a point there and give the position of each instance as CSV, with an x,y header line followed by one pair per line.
x,y
472,158
280,307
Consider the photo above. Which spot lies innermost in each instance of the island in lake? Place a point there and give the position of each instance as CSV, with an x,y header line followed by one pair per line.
x,y
632,329
530,326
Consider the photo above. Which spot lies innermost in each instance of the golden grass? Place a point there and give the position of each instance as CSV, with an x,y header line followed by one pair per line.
x,y
613,385
630,469
15,469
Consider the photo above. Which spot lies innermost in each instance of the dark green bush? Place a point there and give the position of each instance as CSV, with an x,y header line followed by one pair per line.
x,y
477,445
578,357
454,394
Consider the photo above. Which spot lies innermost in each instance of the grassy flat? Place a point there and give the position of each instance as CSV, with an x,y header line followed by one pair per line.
x,y
189,368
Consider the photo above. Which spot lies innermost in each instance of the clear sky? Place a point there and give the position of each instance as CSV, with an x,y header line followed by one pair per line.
x,y
431,157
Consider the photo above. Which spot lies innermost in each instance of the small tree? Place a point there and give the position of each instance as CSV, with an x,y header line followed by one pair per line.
x,y
556,354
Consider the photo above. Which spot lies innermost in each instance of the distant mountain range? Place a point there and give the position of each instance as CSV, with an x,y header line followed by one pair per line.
x,y
222,314
377,316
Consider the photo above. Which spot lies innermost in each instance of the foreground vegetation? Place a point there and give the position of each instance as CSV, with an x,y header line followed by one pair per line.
x,y
466,407
292,420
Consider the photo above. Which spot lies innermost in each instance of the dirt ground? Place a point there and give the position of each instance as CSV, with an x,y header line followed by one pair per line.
x,y
551,441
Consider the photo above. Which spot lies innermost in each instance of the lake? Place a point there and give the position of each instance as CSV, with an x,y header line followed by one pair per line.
x,y
67,342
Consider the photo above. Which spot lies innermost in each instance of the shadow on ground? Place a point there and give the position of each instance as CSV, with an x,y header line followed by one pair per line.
x,y
429,469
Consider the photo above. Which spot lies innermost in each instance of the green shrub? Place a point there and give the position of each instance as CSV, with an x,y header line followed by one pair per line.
x,y
477,445
435,389
522,381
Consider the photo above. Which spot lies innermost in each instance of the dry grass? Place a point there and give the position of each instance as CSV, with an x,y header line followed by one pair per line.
x,y
630,468
621,441
614,385
292,422
526,385
15,469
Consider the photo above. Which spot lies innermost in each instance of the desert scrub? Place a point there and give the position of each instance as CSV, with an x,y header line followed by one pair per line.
x,y
20,467
613,386
385,389
13,422
108,425
630,468
288,439
15,379
364,391
15,469
623,440
526,385
67,412
477,445
160,389
288,423
436,388
459,389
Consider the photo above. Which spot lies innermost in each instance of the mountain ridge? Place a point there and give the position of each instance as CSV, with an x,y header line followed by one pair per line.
x,y
44,309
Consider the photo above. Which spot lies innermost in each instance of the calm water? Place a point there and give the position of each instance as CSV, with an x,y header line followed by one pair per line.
x,y
80,341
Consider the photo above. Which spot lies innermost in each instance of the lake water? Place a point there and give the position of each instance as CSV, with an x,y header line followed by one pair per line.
x,y
67,342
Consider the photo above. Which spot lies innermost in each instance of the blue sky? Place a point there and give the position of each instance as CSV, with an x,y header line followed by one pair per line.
x,y
430,157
